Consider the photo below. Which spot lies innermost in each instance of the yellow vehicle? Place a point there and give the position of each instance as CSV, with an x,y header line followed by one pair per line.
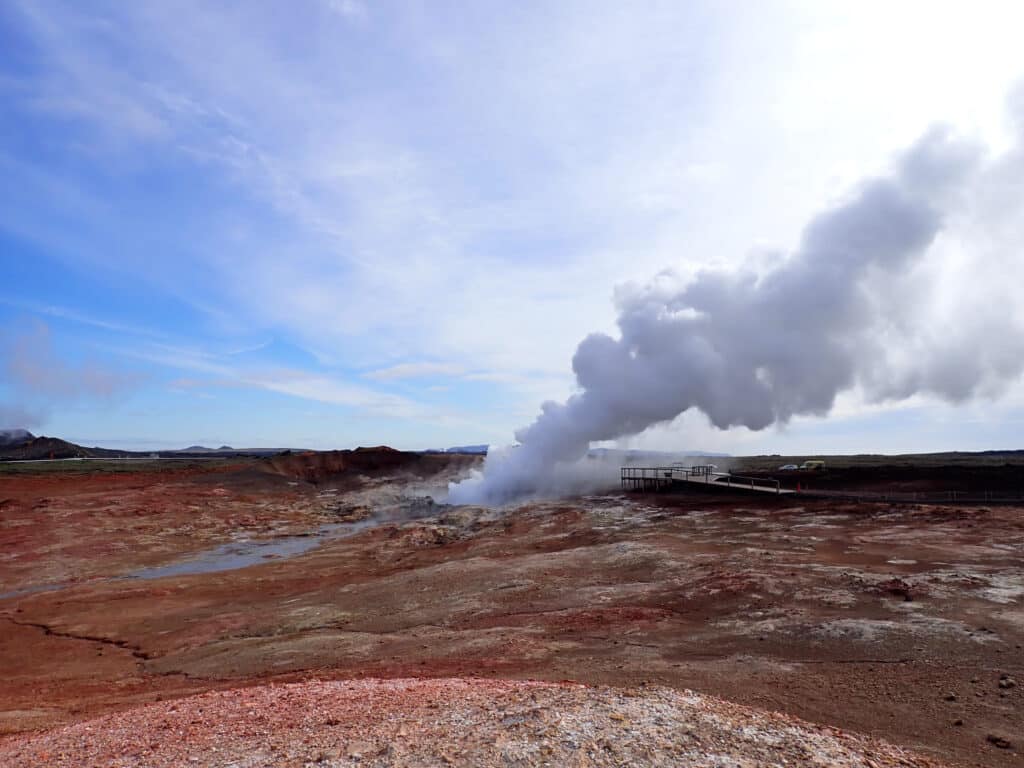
x,y
813,464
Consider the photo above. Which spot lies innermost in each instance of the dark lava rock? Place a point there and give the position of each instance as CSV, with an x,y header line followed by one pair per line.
x,y
998,741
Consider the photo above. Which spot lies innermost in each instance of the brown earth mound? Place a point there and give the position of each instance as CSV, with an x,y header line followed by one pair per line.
x,y
317,466
450,722
49,448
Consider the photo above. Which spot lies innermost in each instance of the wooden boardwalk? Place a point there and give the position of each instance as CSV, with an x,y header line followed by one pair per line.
x,y
677,477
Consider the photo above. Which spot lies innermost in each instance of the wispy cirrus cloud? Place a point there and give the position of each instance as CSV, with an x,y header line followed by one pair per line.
x,y
222,370
75,316
416,371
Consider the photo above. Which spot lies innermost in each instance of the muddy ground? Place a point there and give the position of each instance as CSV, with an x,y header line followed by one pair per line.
x,y
903,622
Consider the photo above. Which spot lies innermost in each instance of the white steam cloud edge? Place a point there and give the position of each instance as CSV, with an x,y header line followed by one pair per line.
x,y
590,473
899,290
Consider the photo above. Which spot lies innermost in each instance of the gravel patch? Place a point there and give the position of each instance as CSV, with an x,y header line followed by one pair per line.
x,y
449,722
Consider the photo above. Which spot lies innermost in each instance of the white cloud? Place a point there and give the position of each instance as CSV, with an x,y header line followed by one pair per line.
x,y
325,389
415,371
471,193
352,9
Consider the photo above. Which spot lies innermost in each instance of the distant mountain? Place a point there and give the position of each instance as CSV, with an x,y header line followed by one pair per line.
x,y
14,437
627,456
480,449
20,445
225,450
53,448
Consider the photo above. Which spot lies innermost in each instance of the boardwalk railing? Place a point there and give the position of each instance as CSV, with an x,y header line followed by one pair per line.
x,y
663,478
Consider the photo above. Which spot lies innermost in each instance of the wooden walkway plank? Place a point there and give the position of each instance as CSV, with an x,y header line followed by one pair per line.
x,y
677,476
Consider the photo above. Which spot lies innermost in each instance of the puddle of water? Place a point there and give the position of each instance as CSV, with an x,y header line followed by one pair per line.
x,y
226,557
244,553
32,590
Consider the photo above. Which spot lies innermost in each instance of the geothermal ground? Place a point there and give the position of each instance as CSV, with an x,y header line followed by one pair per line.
x,y
874,633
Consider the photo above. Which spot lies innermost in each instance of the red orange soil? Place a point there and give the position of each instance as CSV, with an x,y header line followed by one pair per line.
x,y
450,722
802,609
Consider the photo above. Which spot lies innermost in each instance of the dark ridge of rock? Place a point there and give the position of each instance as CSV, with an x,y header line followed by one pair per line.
x,y
14,437
318,466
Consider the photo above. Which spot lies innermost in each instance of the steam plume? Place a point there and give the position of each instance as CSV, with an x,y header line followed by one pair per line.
x,y
33,379
856,305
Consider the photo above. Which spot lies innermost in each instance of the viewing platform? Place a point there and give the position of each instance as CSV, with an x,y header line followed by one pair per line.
x,y
679,477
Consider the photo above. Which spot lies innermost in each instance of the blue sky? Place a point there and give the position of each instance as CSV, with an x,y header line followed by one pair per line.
x,y
328,223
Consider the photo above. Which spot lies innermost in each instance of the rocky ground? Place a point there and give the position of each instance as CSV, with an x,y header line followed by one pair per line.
x,y
903,623
469,722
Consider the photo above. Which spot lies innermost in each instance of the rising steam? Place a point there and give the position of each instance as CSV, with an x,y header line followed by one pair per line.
x,y
34,379
864,302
